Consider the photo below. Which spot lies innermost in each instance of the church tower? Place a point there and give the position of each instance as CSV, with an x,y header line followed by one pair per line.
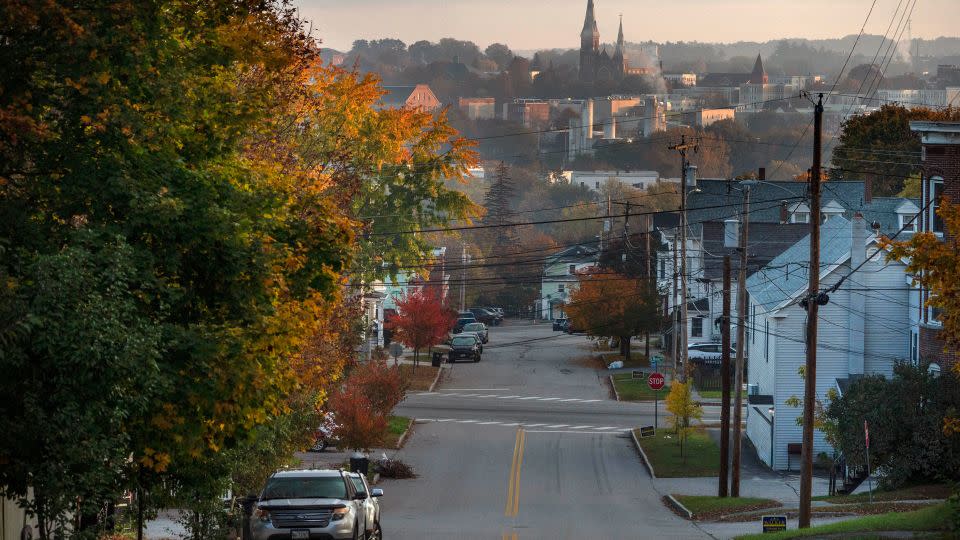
x,y
589,45
618,58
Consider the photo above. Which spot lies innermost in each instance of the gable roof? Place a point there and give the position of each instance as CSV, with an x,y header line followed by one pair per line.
x,y
768,241
580,253
788,273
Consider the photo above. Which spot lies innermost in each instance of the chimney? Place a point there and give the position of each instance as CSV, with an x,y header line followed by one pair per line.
x,y
762,174
784,211
731,233
868,189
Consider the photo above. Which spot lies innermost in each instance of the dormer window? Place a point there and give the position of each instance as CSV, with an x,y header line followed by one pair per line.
x,y
830,210
800,213
908,219
907,223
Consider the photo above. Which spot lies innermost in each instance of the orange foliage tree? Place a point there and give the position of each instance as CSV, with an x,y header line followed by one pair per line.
x,y
363,404
422,321
609,304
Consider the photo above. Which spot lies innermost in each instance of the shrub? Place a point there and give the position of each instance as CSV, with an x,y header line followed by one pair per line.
x,y
394,468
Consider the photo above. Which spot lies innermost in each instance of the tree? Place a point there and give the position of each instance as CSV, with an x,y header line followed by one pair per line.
x,y
885,132
422,321
499,53
608,304
680,403
364,403
498,202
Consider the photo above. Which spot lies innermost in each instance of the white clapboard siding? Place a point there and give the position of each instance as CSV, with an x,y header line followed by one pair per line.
x,y
887,319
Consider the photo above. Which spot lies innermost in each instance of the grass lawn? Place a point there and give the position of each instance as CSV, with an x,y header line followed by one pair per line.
x,y
709,506
702,454
718,394
396,427
637,389
421,379
931,518
637,360
912,493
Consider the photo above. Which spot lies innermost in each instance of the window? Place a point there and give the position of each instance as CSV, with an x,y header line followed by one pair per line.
x,y
936,190
749,324
663,268
697,328
801,217
573,269
906,225
560,287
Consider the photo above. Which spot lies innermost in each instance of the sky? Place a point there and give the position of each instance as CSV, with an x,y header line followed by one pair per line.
x,y
543,24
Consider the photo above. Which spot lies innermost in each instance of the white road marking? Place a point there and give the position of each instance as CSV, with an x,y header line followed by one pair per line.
x,y
507,397
581,427
580,432
558,426
551,428
530,397
477,389
487,423
534,425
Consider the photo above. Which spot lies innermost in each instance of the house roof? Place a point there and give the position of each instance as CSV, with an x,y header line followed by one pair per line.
x,y
885,211
397,95
765,242
580,253
788,274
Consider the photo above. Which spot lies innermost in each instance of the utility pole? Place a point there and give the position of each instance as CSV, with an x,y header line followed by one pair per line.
x,y
741,344
812,302
648,219
682,345
725,383
463,279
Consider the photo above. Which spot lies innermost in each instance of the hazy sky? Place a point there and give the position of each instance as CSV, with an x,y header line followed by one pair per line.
x,y
536,24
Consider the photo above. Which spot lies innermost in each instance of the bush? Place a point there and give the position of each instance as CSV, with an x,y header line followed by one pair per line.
x,y
394,468
363,405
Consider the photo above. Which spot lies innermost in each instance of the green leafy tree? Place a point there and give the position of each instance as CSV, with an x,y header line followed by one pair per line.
x,y
881,144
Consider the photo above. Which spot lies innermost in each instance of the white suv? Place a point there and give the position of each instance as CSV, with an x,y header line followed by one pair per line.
x,y
312,504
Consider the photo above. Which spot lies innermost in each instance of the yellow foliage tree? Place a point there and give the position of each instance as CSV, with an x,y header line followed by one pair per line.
x,y
681,405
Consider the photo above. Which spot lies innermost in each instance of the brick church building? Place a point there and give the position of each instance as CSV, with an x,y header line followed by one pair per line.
x,y
597,64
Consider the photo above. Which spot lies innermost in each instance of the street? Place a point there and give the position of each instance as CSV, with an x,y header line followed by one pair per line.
x,y
527,443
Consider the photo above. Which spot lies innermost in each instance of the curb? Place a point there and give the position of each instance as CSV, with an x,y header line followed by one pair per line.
x,y
678,506
643,455
435,380
616,394
406,434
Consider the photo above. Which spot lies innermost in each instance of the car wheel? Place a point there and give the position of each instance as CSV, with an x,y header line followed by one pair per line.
x,y
450,360
319,445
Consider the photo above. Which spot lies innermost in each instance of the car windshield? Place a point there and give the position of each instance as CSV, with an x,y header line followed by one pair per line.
x,y
310,487
473,327
463,341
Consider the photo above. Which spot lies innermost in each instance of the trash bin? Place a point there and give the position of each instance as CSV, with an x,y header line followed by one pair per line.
x,y
437,359
359,463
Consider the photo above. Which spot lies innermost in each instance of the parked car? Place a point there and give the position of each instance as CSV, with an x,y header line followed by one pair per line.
x,y
324,435
371,505
497,310
486,316
559,323
308,504
707,353
461,322
569,328
464,346
478,328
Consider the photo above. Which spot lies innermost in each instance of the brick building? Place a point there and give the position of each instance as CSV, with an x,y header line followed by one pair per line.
x,y
419,97
941,178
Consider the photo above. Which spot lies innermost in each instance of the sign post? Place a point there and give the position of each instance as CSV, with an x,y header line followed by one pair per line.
x,y
656,383
396,349
866,437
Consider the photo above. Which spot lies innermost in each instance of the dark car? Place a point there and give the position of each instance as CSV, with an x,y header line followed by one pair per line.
x,y
490,318
559,323
568,327
465,347
461,322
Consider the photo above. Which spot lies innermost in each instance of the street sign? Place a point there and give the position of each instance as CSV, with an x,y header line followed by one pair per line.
x,y
774,523
637,374
655,381
396,349
647,431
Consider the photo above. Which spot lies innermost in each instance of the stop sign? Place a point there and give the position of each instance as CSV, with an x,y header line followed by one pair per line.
x,y
655,380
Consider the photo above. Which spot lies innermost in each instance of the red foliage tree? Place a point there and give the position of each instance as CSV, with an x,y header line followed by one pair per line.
x,y
363,404
422,321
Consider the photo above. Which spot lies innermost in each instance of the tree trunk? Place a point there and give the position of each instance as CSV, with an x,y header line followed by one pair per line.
x,y
41,518
416,358
646,345
626,347
139,512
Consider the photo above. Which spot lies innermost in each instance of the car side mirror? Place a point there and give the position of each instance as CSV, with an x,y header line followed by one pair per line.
x,y
360,496
376,492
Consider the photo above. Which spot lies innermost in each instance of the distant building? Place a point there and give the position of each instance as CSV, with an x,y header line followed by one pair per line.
x,y
705,117
594,179
598,65
758,92
532,113
615,118
681,79
478,108
560,277
419,97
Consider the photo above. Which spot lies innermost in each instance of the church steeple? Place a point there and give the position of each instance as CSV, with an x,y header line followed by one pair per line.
x,y
590,36
758,76
618,52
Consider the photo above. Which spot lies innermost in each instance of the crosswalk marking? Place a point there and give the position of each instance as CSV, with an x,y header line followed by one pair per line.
x,y
513,396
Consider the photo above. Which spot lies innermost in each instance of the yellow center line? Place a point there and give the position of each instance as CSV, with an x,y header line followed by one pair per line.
x,y
516,485
513,468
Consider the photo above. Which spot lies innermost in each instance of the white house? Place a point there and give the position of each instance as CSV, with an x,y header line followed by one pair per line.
x,y
863,329
560,277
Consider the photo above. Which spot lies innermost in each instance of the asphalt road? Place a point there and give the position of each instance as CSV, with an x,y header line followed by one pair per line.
x,y
526,444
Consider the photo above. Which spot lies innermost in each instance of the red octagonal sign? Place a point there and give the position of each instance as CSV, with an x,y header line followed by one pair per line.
x,y
655,381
